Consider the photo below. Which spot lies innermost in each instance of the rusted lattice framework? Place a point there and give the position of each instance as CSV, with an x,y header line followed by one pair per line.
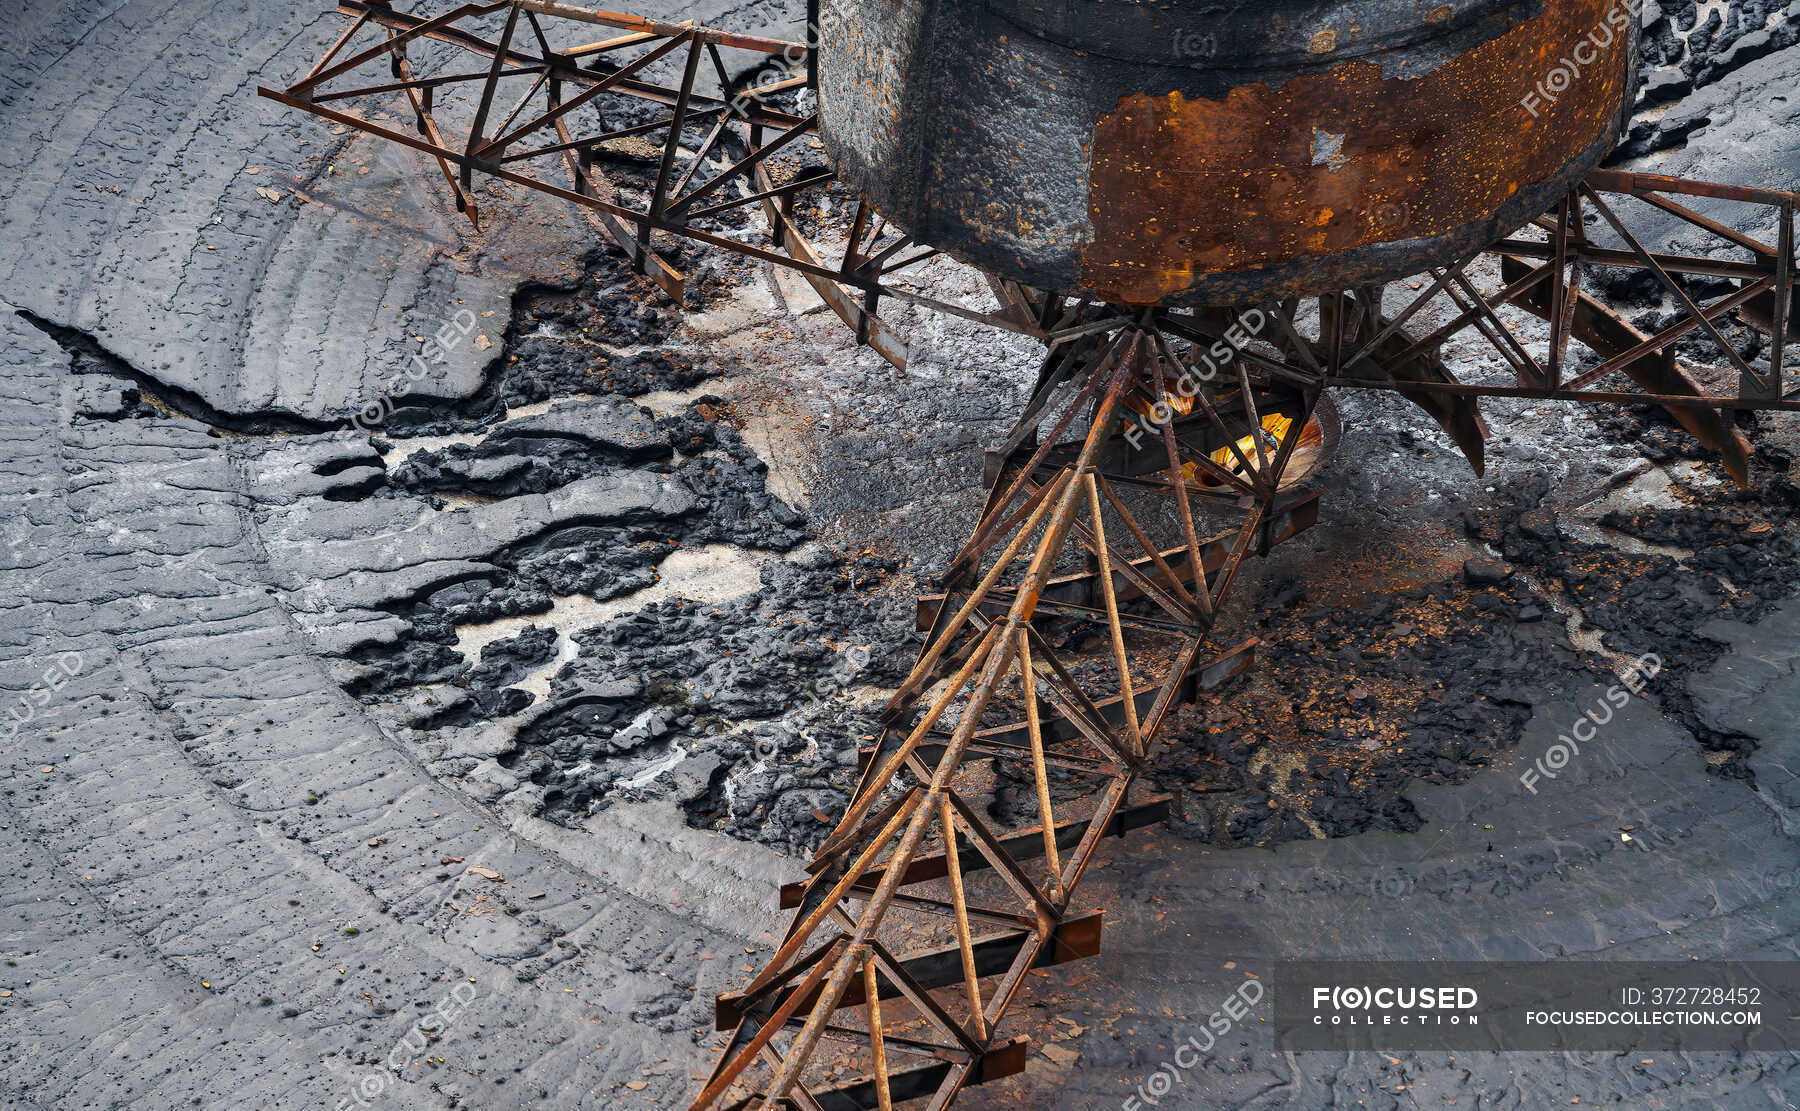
x,y
542,116
535,103
925,909
1079,616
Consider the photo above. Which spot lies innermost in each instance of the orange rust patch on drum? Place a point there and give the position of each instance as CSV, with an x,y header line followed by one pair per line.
x,y
1179,189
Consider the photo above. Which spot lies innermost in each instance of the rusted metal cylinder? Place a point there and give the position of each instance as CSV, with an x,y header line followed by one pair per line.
x,y
1212,153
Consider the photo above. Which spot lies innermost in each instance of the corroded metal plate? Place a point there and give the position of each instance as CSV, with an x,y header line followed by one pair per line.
x,y
1192,154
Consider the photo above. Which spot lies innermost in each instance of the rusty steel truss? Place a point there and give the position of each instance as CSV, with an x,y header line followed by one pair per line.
x,y
925,909
1080,616
538,117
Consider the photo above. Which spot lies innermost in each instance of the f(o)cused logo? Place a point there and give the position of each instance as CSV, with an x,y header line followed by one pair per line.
x,y
1190,43
373,415
1390,216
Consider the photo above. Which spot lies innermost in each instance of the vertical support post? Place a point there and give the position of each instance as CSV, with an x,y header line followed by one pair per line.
x,y
659,194
487,98
812,44
1559,290
1779,321
877,1041
965,941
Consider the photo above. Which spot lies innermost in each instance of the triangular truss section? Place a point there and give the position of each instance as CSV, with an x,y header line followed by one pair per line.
x,y
643,128
1065,640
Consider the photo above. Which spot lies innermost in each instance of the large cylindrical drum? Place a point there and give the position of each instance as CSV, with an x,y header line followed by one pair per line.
x,y
1171,151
